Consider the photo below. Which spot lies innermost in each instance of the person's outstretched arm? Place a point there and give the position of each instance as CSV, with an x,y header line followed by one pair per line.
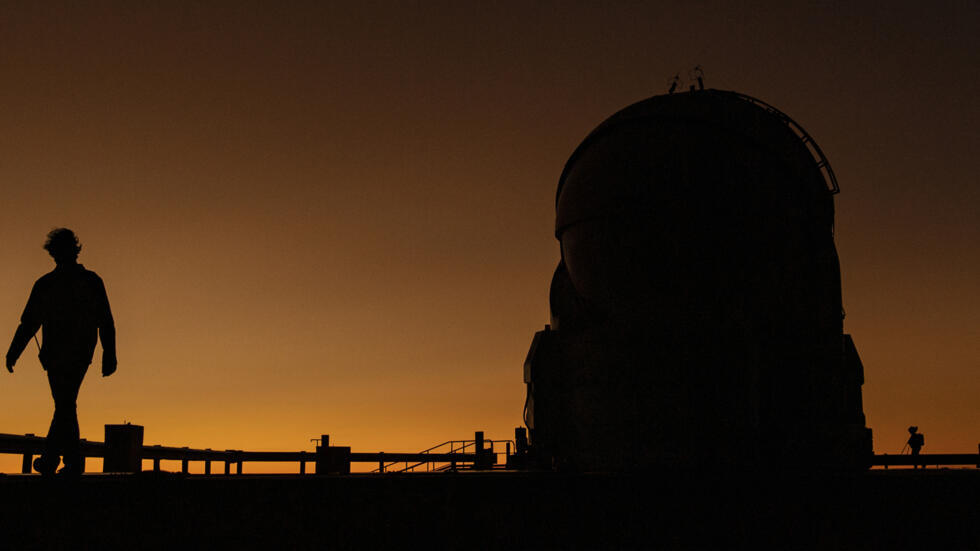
x,y
30,322
107,333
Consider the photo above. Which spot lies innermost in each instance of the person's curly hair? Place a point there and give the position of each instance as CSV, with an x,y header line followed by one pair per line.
x,y
62,243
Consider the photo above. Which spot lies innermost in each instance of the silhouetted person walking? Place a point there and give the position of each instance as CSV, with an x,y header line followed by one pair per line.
x,y
71,306
916,441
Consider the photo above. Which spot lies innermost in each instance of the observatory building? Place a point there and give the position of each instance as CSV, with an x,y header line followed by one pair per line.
x,y
696,316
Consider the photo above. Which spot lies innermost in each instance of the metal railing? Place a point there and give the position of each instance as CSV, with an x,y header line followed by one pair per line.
x,y
924,459
430,456
30,445
327,459
478,453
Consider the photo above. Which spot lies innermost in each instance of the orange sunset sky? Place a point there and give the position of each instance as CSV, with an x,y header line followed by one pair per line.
x,y
317,218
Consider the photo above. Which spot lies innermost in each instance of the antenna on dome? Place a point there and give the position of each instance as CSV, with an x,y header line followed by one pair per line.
x,y
697,73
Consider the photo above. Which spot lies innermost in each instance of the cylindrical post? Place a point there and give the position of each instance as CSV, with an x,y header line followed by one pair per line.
x,y
184,462
123,449
483,458
238,464
227,466
322,451
156,464
207,466
302,467
520,440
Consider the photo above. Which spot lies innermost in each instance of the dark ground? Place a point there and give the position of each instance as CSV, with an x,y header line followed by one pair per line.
x,y
936,509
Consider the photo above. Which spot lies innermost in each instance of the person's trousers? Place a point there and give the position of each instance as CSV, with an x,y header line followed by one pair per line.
x,y
63,435
915,453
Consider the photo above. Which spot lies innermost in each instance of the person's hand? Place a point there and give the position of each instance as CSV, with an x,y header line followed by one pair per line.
x,y
10,365
108,366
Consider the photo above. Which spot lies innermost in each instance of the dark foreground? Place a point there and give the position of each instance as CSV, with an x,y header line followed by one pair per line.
x,y
664,510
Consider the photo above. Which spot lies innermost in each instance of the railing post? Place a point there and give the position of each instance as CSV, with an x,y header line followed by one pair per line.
x,y
381,462
207,466
238,464
156,464
184,462
302,467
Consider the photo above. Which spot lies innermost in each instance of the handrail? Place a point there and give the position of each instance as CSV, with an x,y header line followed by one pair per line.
x,y
428,463
822,162
452,449
923,459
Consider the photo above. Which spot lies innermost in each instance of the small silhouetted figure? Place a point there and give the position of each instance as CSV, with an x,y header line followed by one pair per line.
x,y
916,441
70,305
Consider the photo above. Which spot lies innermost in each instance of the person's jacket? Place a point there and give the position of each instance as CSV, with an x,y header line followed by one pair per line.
x,y
70,305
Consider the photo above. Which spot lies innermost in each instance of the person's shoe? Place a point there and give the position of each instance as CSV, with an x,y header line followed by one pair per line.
x,y
44,467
